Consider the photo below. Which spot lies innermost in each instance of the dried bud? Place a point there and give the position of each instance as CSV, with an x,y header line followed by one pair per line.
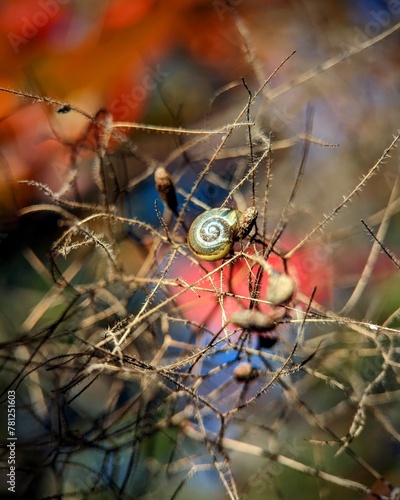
x,y
246,222
256,321
280,289
165,188
244,372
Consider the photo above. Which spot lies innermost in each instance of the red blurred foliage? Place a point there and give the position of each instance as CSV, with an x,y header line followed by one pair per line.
x,y
201,306
96,55
123,13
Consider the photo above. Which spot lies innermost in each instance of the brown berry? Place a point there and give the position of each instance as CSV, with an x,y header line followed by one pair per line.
x,y
244,372
280,288
251,319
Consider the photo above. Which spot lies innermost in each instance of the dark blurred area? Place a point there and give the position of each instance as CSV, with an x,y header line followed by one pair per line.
x,y
191,64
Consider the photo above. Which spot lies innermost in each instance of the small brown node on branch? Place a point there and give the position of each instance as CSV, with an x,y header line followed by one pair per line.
x,y
166,188
244,372
246,222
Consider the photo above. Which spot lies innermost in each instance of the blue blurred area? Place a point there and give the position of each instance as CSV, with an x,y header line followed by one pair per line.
x,y
208,193
374,14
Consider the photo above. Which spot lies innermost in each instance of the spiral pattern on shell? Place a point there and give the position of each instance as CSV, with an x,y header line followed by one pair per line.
x,y
212,234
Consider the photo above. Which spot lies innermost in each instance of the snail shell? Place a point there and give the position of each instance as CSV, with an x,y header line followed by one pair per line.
x,y
213,233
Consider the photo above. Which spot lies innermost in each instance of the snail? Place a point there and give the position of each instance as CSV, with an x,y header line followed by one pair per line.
x,y
213,233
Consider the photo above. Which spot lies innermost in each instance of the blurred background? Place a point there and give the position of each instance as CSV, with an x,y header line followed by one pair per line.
x,y
183,63
167,64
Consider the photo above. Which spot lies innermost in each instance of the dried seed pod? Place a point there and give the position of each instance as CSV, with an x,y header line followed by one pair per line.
x,y
246,222
212,234
280,289
256,321
244,372
165,188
